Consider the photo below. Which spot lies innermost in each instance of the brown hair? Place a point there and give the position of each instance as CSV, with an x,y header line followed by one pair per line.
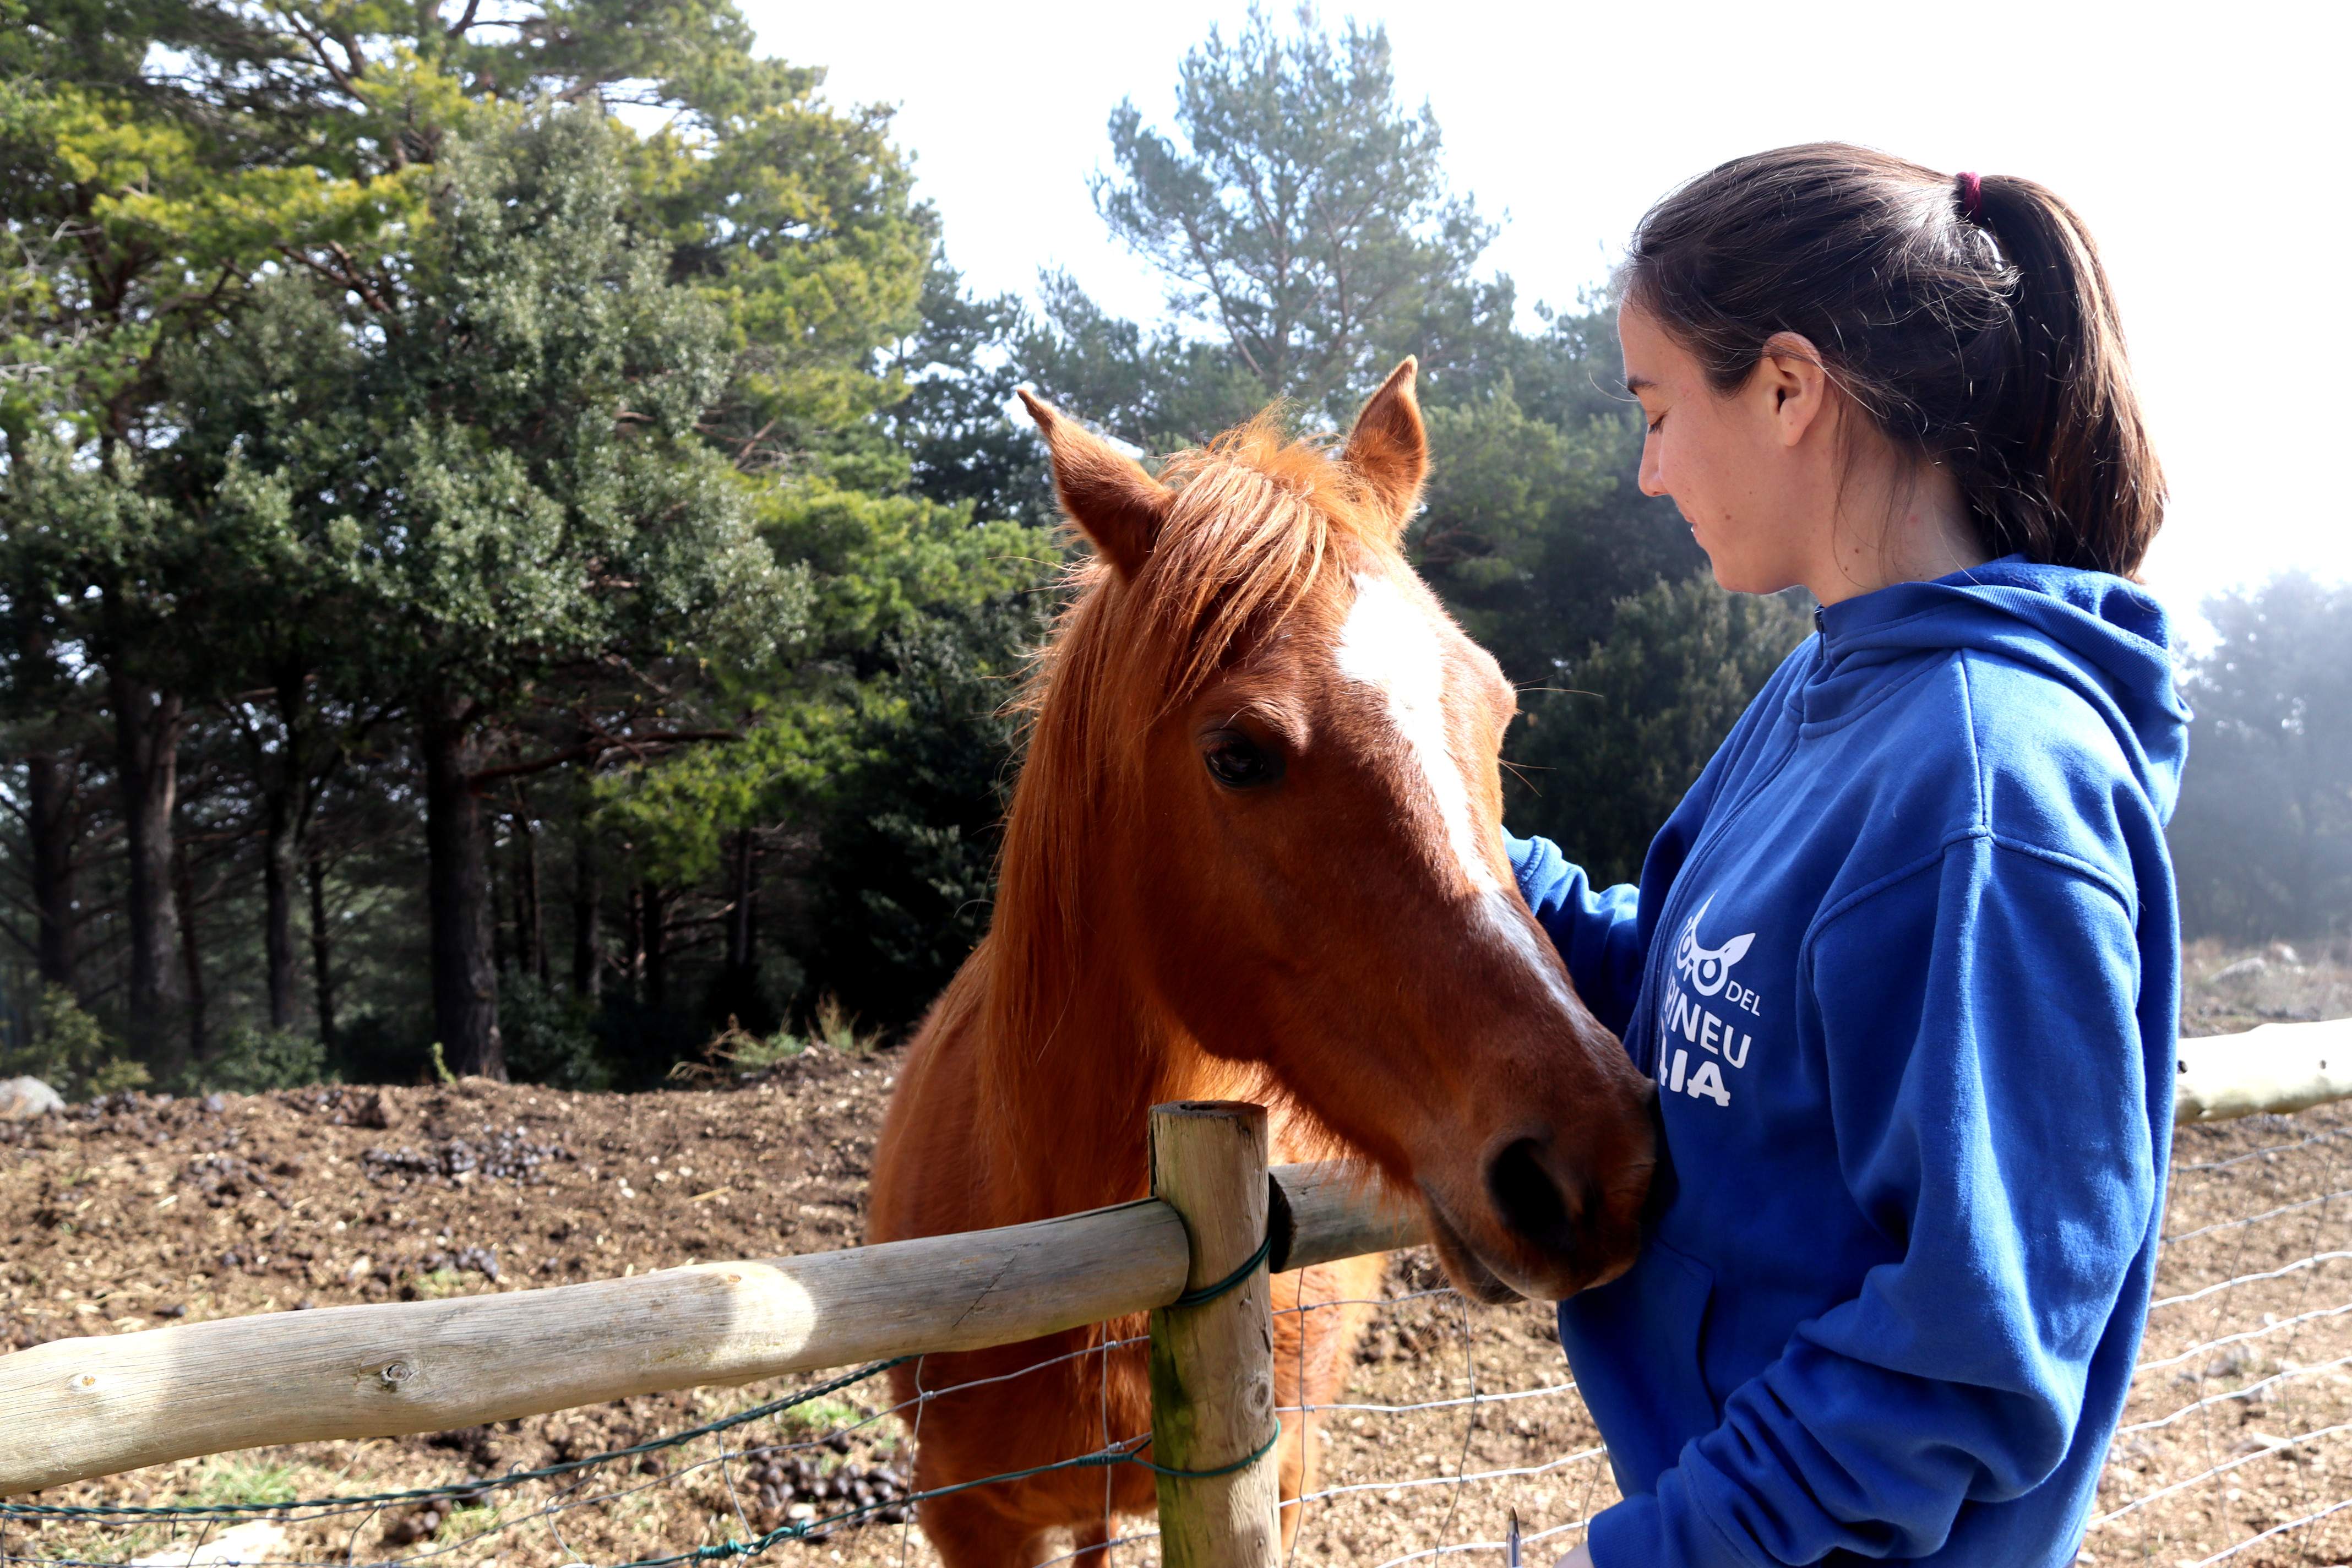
x,y
1971,319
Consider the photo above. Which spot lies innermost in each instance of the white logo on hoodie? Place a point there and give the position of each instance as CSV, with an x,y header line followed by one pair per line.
x,y
1688,1032
1707,968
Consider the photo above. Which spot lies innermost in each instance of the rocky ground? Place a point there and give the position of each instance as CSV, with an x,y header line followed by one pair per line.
x,y
140,1212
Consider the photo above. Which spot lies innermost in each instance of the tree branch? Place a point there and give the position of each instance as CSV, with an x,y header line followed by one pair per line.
x,y
594,751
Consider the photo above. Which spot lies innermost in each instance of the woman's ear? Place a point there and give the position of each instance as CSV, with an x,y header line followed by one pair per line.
x,y
1793,385
1103,490
1388,447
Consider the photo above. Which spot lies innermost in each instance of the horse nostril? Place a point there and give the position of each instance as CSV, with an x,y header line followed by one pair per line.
x,y
1530,1201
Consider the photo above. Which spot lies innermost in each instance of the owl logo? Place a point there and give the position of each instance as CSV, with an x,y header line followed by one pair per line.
x,y
1707,968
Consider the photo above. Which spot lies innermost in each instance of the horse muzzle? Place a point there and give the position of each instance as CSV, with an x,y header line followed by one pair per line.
x,y
1543,1228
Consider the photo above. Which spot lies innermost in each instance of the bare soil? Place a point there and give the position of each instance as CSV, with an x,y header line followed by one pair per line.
x,y
140,1212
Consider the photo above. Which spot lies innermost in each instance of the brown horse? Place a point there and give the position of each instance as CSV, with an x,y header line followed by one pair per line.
x,y
1255,852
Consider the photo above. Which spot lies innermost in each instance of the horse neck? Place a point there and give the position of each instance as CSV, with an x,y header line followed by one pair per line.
x,y
1073,1089
1077,1047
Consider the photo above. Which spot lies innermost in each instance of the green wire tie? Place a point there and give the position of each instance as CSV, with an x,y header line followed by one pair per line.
x,y
1208,1293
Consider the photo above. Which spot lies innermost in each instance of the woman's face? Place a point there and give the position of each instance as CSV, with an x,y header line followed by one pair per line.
x,y
1751,499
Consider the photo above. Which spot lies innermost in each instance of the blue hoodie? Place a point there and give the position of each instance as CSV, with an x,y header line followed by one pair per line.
x,y
1904,965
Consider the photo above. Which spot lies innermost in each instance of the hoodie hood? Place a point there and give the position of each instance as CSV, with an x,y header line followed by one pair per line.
x,y
2105,638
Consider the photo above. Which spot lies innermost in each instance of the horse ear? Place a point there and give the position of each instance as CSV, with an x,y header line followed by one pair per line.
x,y
1388,447
1102,489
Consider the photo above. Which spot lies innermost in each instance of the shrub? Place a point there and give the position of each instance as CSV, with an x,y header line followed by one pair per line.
x,y
254,1061
551,1037
69,1051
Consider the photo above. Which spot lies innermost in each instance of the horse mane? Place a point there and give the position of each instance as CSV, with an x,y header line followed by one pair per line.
x,y
1256,520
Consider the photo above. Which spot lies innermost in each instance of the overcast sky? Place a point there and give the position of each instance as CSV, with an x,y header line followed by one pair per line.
x,y
2206,151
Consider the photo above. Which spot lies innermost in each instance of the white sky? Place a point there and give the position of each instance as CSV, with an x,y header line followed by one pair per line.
x,y
2208,151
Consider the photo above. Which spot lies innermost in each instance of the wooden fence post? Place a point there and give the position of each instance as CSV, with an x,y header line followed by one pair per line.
x,y
1213,1361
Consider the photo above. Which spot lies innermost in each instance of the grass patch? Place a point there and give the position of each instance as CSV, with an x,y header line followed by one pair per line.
x,y
234,1483
439,1283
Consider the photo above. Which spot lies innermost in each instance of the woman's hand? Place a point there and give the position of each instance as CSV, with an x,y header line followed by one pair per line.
x,y
1579,1558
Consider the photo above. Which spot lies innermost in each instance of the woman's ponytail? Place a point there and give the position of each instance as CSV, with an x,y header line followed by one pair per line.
x,y
2083,487
1969,316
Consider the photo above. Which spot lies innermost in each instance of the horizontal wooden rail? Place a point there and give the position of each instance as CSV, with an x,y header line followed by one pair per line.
x,y
81,1407
75,1408
2276,1067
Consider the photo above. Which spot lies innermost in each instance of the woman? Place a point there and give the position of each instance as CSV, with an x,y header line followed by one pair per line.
x,y
1904,963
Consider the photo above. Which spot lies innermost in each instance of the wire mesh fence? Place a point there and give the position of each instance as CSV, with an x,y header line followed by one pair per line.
x,y
2236,1445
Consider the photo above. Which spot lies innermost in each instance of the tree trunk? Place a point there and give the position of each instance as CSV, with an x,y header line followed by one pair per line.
x,y
285,778
147,740
277,862
587,966
501,955
634,939
457,896
52,823
183,888
532,938
321,949
656,916
739,985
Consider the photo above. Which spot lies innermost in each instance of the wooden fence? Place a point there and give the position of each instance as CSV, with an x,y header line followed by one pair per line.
x,y
78,1408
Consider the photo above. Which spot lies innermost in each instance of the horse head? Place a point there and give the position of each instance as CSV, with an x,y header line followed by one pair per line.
x,y
1281,754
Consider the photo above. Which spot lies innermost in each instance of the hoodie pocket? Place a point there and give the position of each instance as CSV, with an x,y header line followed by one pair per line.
x,y
1637,1347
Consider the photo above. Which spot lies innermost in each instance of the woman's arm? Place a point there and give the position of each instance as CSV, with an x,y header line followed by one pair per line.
x,y
1976,1023
1597,930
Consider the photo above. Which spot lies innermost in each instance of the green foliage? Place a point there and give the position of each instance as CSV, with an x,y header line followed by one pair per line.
x,y
1305,213
799,223
675,815
381,409
551,1037
1301,218
1605,764
961,377
538,493
69,1051
902,888
359,370
254,1061
831,1026
740,1048
2261,841
835,1028
1534,529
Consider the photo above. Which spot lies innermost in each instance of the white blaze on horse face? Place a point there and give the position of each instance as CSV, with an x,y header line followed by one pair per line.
x,y
1390,644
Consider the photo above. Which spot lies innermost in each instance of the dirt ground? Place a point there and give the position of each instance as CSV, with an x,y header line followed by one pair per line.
x,y
140,1211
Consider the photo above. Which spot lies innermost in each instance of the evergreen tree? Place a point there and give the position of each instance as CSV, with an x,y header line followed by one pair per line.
x,y
1301,218
309,436
2261,841
1610,750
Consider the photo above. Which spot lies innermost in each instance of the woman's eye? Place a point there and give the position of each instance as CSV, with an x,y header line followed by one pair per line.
x,y
1653,424
1239,763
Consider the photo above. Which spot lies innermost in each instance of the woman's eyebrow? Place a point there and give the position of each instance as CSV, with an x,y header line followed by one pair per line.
x,y
1636,385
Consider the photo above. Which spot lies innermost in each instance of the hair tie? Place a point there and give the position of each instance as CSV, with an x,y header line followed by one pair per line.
x,y
1971,197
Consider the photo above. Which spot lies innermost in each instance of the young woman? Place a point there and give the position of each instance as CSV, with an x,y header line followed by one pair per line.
x,y
1904,963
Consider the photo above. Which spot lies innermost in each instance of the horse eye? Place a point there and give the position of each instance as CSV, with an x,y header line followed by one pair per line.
x,y
1239,763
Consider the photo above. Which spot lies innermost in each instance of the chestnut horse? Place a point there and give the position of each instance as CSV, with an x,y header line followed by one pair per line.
x,y
1255,852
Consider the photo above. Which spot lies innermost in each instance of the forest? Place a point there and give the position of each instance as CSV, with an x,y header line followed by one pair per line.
x,y
514,559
